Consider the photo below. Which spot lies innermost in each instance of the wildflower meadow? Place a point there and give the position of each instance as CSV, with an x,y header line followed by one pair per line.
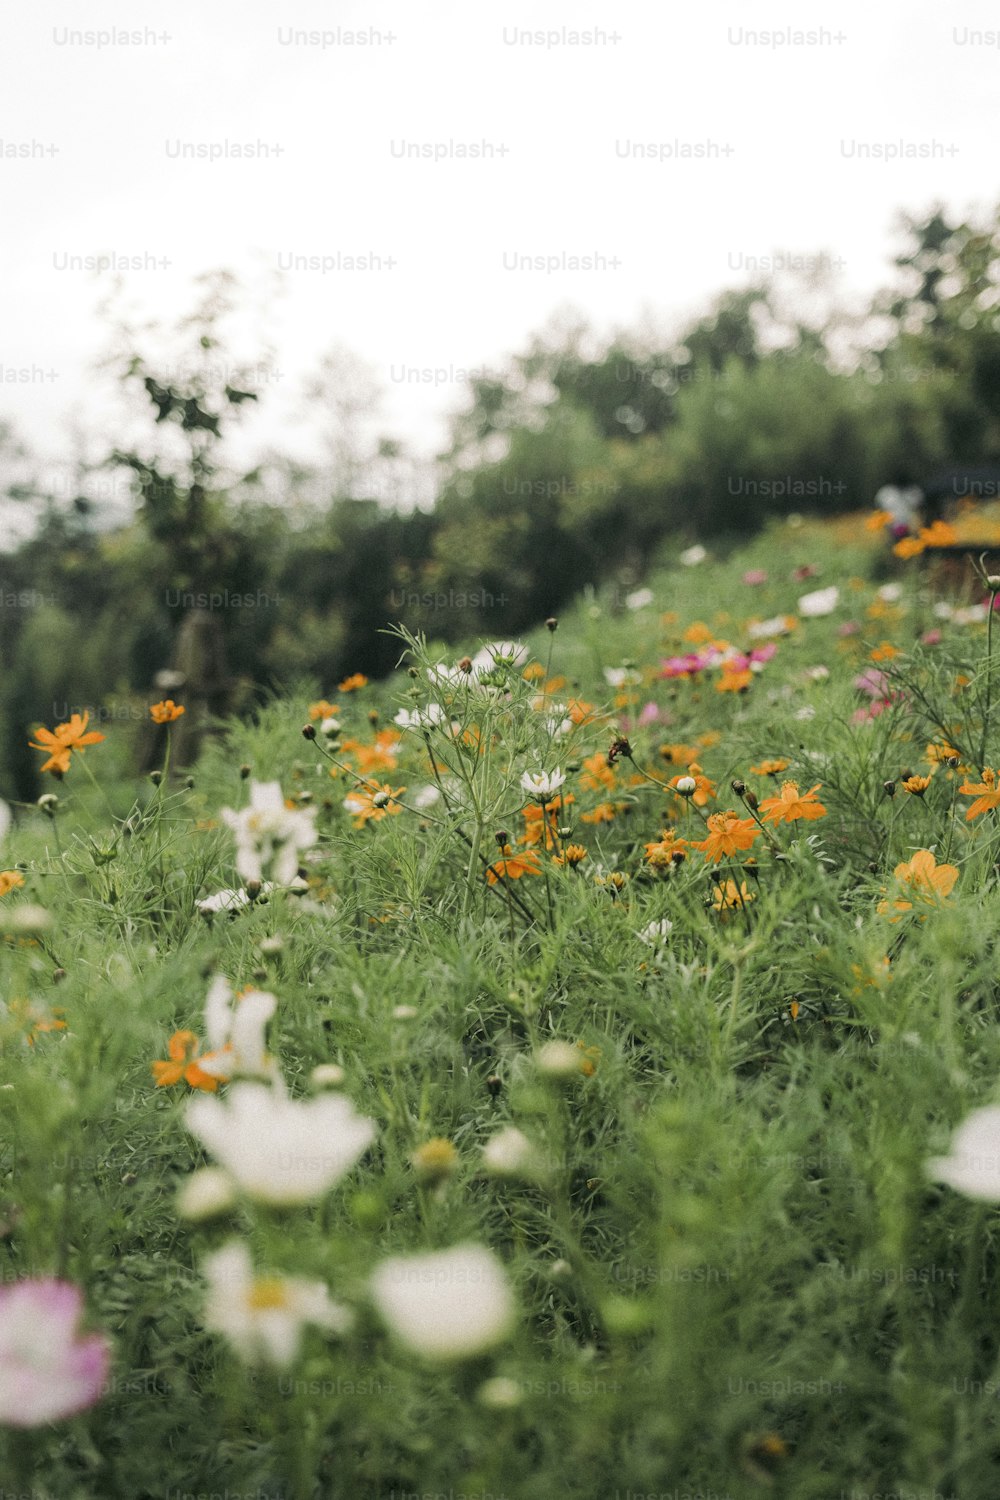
x,y
566,1067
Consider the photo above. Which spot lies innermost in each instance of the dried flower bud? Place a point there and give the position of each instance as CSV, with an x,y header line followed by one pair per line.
x,y
494,1085
253,889
373,716
465,665
889,787
58,975
750,798
245,771
502,836
156,777
309,731
953,762
551,624
738,786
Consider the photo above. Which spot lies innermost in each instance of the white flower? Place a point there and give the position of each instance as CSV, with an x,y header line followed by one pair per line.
x,y
943,609
693,556
269,835
558,1060
820,602
207,1192
972,614
234,1030
890,592
973,1165
6,818
617,677
510,1154
761,629
404,1013
542,784
639,599
807,712
557,727
420,718
498,653
656,933
230,900
330,726
263,1316
449,1304
281,1150
425,797
327,1076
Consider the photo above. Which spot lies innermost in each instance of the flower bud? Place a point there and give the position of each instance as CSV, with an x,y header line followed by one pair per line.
x,y
686,786
889,787
551,624
309,731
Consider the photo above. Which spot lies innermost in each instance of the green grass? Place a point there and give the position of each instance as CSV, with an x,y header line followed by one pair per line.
x,y
736,1277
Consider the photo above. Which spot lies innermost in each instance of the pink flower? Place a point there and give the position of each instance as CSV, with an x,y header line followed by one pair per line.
x,y
649,713
873,682
47,1369
806,571
931,638
754,576
849,627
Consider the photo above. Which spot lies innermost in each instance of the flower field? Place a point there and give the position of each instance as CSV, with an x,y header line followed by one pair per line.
x,y
565,1069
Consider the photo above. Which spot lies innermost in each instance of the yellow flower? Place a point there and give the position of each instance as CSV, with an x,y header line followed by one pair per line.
x,y
728,895
435,1159
64,738
167,711
352,683
923,879
10,880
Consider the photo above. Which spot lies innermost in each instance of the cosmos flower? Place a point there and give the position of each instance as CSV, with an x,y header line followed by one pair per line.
x,y
447,1304
270,835
972,1166
48,1369
263,1316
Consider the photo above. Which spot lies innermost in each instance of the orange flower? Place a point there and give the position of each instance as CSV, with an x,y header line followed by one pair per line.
x,y
532,815
916,785
885,652
697,633
604,812
352,683
167,711
596,774
703,789
878,520
791,804
588,1062
572,855
36,1020
580,712
10,880
512,866
679,755
938,534
381,756
734,682
371,806
666,851
936,754
64,738
533,671
728,895
183,1049
728,833
924,879
909,546
323,710
986,793
771,767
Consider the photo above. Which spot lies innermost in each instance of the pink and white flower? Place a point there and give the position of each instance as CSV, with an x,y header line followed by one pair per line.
x,y
48,1369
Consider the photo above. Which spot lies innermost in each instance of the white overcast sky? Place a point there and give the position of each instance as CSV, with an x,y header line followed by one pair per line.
x,y
211,72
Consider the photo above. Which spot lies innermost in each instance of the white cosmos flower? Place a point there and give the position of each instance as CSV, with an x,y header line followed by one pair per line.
x,y
761,629
449,1304
6,818
269,835
973,1164
819,602
420,718
510,1154
281,1150
617,677
693,556
263,1316
425,797
542,783
502,653
639,599
656,933
234,1030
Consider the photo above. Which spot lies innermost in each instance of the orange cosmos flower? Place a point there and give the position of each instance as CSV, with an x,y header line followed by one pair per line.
x,y
532,815
885,652
64,738
791,804
728,895
986,793
938,534
323,710
924,879
352,683
604,812
909,546
183,1049
381,756
36,1019
878,520
679,755
697,633
596,774
771,767
588,1062
10,880
512,866
167,711
916,785
703,788
572,855
580,712
728,833
734,682
371,806
666,851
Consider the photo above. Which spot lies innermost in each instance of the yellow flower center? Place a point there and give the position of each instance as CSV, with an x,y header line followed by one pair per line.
x,y
266,1293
